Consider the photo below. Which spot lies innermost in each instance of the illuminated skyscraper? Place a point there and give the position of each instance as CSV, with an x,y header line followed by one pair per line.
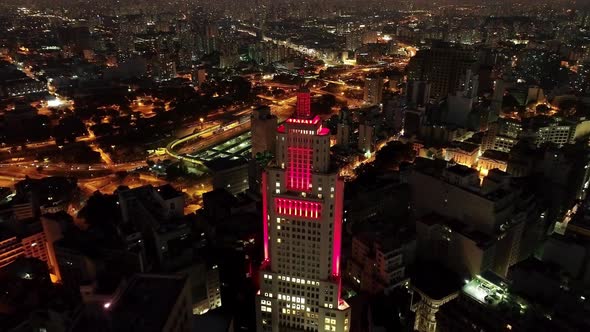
x,y
302,211
303,103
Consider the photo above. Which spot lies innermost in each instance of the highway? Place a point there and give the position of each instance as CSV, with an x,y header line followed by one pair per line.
x,y
102,176
199,143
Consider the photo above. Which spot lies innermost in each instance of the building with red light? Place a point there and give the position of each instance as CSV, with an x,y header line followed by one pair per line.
x,y
302,212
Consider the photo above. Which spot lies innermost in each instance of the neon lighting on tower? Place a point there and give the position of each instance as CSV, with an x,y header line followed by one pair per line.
x,y
337,241
302,227
298,208
303,103
299,171
265,217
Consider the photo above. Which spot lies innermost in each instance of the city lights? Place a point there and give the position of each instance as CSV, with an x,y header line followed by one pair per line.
x,y
264,164
57,102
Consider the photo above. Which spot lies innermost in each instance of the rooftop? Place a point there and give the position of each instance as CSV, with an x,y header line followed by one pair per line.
x,y
495,155
146,303
223,164
435,281
168,192
462,170
466,147
480,238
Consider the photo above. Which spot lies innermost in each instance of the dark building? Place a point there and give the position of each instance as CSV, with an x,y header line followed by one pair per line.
x,y
147,302
230,174
443,66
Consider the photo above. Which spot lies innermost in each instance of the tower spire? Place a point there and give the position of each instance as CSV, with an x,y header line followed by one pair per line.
x,y
303,109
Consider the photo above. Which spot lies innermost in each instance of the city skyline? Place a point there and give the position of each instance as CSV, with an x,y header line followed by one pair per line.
x,y
313,165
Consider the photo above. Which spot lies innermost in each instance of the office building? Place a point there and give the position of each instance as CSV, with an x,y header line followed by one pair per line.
x,y
502,135
229,174
302,229
157,213
483,222
379,261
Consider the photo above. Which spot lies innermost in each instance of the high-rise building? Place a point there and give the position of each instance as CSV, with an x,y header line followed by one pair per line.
x,y
486,231
444,66
367,137
229,174
379,261
302,229
343,135
418,93
10,249
264,124
373,90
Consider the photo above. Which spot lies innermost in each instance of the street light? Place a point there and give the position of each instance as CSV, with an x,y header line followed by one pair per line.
x,y
201,120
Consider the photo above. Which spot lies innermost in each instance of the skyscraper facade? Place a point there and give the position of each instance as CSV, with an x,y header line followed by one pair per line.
x,y
373,90
444,66
302,226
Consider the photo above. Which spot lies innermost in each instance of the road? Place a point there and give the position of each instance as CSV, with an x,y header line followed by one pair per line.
x,y
197,142
101,176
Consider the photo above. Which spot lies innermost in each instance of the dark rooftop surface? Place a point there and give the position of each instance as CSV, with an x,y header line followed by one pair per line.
x,y
168,192
222,164
461,170
482,239
220,195
435,280
146,303
467,147
496,155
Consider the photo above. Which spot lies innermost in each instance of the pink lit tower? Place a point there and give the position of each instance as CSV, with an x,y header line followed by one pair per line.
x,y
302,225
